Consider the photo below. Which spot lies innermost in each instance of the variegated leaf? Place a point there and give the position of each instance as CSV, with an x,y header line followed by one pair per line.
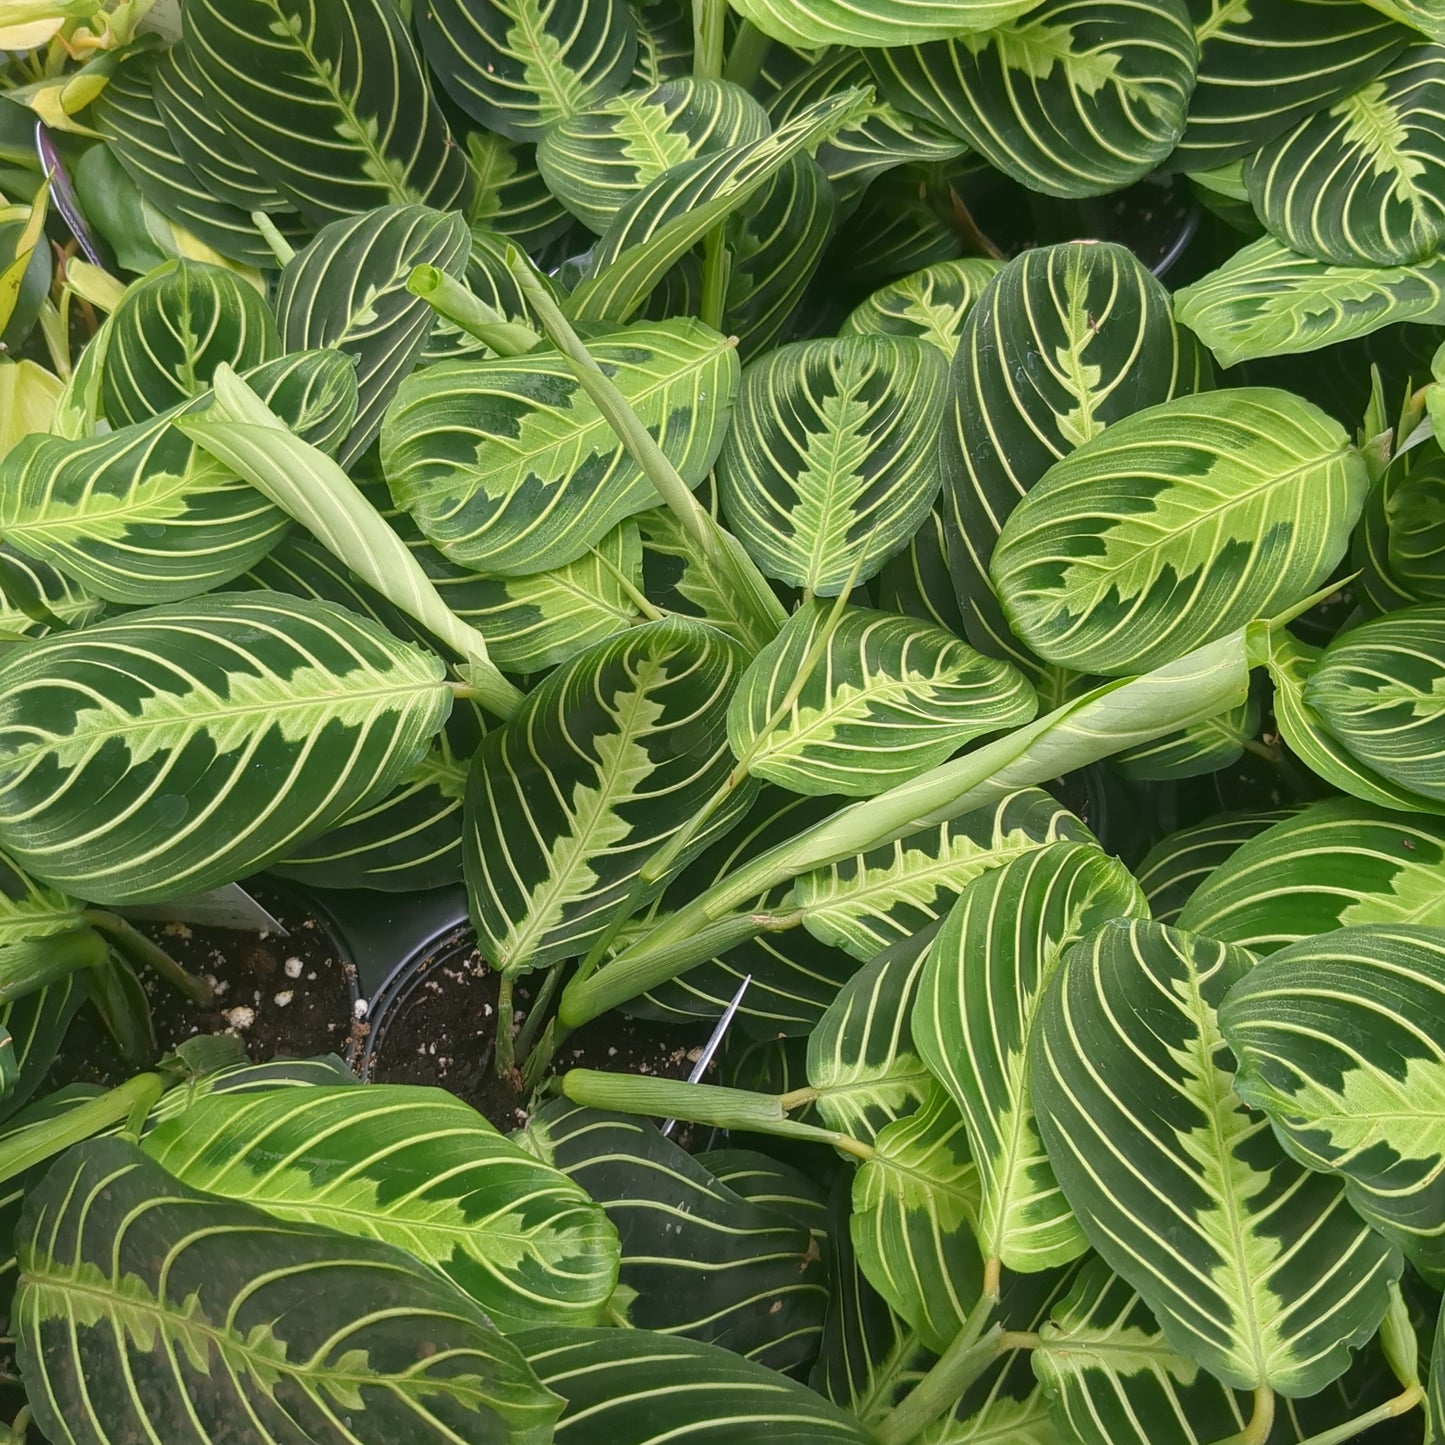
x,y
30,589
1072,98
142,514
510,197
761,1179
915,1203
1339,1041
1177,525
516,65
1380,689
1267,300
170,332
919,581
931,304
1415,546
1335,864
149,1310
808,24
1421,15
347,291
327,101
830,464
1175,867
179,710
597,159
975,1017
509,467
1202,747
873,900
1265,64
596,770
890,698
415,1168
45,935
1255,1269
37,1025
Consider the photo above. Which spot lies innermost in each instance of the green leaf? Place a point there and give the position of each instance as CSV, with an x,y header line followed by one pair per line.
x,y
509,467
1364,181
699,1262
1176,525
918,581
873,900
148,1310
516,65
890,698
1254,1268
173,329
142,514
1175,867
1415,549
44,934
665,219
1421,15
1338,1041
764,1180
975,1016
415,1168
1113,1379
1334,864
629,737
637,1387
1380,689
1203,747
597,159
37,1026
27,587
914,1206
129,753
510,196
1265,64
1074,98
829,466
1064,341
931,304
1268,301
808,24
327,101
347,290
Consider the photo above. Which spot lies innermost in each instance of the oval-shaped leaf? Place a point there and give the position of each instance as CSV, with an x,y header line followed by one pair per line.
x,y
1255,1268
595,161
173,329
1380,689
1176,866
829,466
1334,864
931,304
1364,181
416,1168
142,514
1075,98
918,582
808,24
1338,1040
890,698
327,100
628,741
508,466
148,1310
516,65
347,290
180,710
1415,547
974,1017
1177,525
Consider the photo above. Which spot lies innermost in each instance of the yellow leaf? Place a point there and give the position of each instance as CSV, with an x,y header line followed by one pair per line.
x,y
28,395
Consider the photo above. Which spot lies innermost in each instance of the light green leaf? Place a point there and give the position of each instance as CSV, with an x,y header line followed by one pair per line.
x,y
975,1017
1203,747
515,65
808,24
1175,526
1421,15
1269,301
1073,98
890,698
629,738
509,467
415,1168
1255,1269
511,198
179,709
931,304
148,1310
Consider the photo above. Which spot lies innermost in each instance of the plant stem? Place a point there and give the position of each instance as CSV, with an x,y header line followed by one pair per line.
x,y
140,950
970,1354
709,19
1261,1420
505,1053
1401,1404
745,60
281,248
450,299
535,1014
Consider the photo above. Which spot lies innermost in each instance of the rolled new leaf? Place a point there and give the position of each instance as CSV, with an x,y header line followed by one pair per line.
x,y
132,755
255,1332
1177,525
1256,1269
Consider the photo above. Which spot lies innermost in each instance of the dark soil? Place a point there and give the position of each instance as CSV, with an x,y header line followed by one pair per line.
x,y
441,1029
282,996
